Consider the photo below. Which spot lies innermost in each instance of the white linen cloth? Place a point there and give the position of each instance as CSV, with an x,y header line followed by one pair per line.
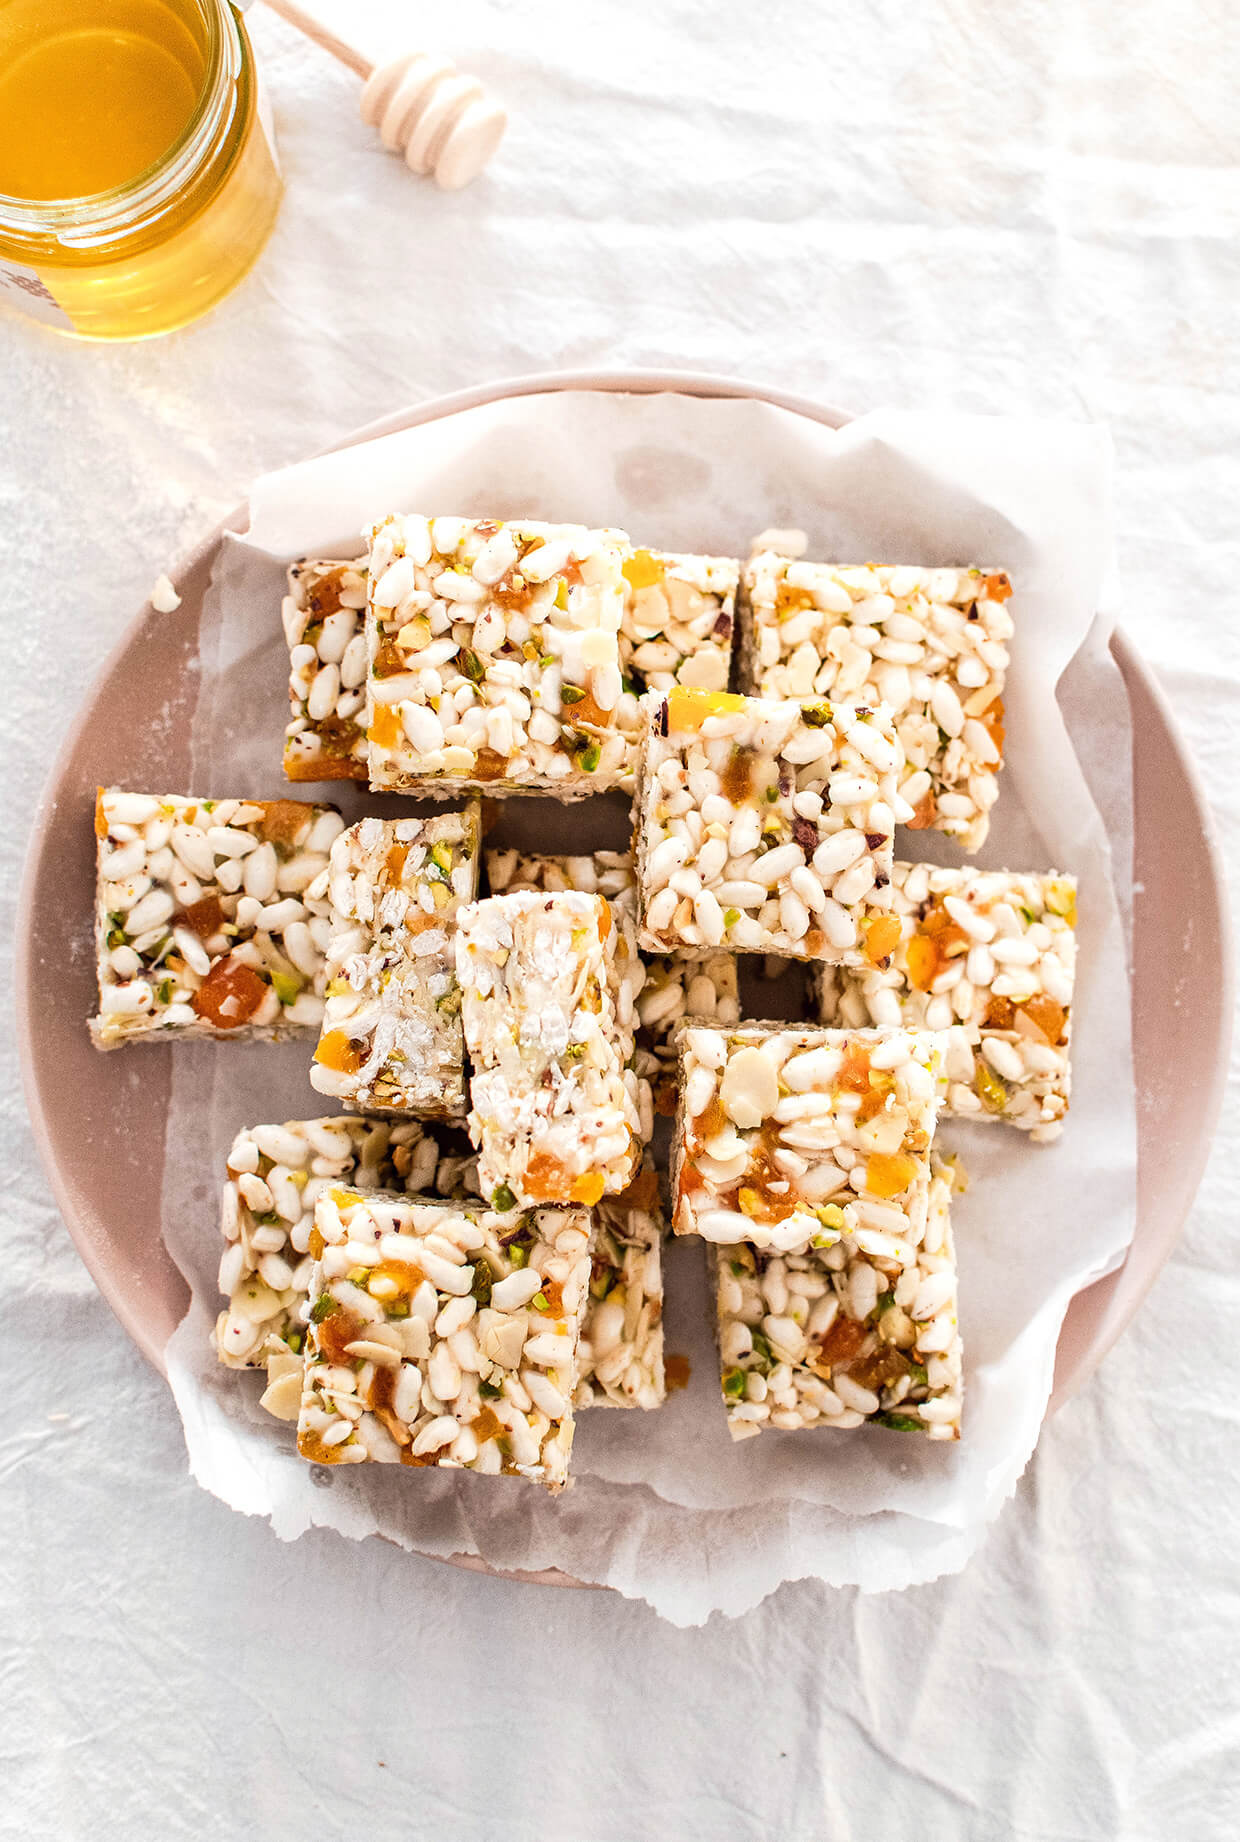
x,y
1027,209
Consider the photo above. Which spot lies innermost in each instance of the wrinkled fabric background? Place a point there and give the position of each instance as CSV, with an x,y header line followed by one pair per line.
x,y
1026,209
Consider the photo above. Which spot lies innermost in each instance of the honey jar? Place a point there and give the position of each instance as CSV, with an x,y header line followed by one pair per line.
x,y
138,181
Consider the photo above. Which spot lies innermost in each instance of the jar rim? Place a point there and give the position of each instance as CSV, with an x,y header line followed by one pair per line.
x,y
94,217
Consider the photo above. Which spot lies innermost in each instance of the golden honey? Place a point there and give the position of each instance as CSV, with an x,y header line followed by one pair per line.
x,y
137,180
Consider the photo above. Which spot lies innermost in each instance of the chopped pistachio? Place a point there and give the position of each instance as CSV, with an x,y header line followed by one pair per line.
x,y
286,985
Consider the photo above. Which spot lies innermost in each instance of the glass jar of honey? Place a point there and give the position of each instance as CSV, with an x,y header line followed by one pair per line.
x,y
138,181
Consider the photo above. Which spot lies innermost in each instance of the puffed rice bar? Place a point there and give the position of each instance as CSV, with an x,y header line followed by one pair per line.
x,y
211,916
494,657
621,1355
989,956
766,827
673,987
276,1174
324,625
677,624
609,874
931,644
443,1335
392,1038
785,1135
851,1330
554,1109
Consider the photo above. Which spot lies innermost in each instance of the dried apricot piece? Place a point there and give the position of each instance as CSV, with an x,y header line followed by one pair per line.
x,y
587,1189
547,1179
841,1344
229,995
689,709
1000,1014
922,959
311,1446
889,1173
336,1051
403,1274
336,1330
386,728
485,1424
284,820
643,570
882,937
204,917
489,766
1047,1016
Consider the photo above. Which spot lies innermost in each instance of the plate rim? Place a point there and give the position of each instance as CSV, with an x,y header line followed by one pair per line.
x,y
1117,1296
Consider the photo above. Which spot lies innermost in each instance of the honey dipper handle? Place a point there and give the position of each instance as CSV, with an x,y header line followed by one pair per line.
x,y
327,41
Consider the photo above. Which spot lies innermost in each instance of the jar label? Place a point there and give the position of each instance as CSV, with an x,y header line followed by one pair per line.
x,y
25,289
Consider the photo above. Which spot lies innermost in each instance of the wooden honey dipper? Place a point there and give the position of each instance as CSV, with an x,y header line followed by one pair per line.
x,y
421,105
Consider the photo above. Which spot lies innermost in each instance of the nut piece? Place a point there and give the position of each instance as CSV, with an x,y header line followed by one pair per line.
x,y
750,1088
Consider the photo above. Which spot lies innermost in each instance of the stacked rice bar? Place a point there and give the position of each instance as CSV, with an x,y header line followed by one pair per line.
x,y
211,916
931,644
673,988
275,1177
276,1174
767,827
555,1109
324,620
443,1334
804,1156
494,657
391,1038
989,957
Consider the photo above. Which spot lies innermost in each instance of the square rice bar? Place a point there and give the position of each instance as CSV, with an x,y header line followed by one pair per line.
x,y
673,987
989,956
494,657
391,1040
212,916
324,617
678,620
621,1357
554,1106
443,1334
605,873
276,1174
766,827
785,1135
859,1327
931,644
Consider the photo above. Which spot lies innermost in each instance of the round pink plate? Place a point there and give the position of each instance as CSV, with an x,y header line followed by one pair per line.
x,y
134,730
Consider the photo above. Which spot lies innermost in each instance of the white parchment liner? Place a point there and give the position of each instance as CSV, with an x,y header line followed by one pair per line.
x,y
665,1507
